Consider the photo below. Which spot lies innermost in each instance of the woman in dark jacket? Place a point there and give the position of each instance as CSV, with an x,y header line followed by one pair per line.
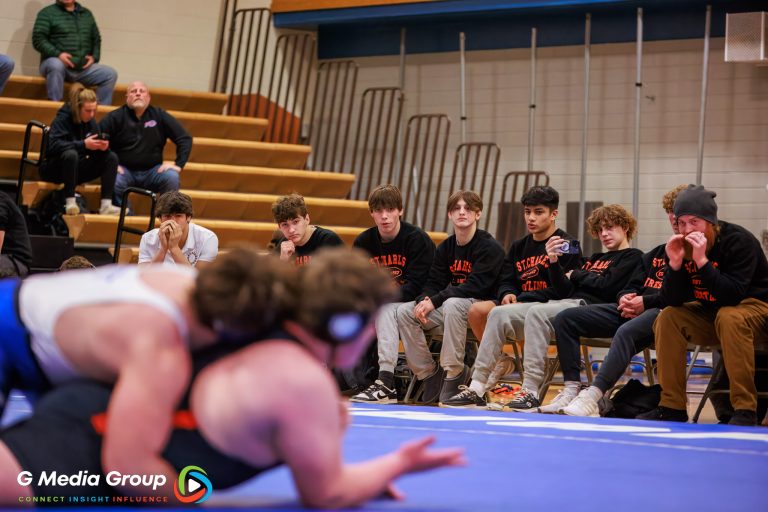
x,y
76,152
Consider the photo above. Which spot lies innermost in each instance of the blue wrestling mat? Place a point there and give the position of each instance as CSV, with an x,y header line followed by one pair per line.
x,y
529,462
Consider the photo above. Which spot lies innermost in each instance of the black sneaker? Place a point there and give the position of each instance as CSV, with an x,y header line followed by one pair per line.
x,y
744,418
522,401
465,398
431,387
376,393
452,386
662,413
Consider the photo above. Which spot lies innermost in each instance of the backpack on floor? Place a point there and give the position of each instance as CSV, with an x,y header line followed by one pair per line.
x,y
633,399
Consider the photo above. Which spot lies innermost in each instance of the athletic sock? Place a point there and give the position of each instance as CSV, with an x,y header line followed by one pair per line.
x,y
595,392
388,379
70,201
478,387
573,386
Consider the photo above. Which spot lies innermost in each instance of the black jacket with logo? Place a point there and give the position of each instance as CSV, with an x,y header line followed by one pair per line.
x,y
408,256
468,271
599,279
525,272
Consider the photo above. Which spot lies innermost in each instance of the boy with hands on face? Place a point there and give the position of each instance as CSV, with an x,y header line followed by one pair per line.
x,y
178,240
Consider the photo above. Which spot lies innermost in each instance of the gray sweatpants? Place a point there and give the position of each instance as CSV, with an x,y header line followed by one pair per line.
x,y
388,336
504,323
538,333
452,315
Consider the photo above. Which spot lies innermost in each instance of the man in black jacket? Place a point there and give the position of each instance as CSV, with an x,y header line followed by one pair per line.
x,y
465,270
407,252
629,321
15,249
716,288
138,132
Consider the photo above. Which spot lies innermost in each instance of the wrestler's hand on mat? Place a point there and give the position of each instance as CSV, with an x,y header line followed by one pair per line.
x,y
416,456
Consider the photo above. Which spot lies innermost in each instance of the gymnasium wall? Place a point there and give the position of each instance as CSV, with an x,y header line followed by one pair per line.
x,y
736,144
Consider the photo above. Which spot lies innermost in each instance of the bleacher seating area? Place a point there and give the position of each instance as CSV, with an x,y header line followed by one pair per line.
x,y
232,177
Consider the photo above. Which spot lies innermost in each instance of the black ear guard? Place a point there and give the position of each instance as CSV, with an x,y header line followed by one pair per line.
x,y
341,328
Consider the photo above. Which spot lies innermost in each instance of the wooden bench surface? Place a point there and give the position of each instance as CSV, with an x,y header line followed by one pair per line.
x,y
228,178
204,149
101,229
33,87
224,205
21,111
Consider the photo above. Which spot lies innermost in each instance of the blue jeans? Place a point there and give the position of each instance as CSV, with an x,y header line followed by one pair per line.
x,y
630,337
159,182
99,75
6,68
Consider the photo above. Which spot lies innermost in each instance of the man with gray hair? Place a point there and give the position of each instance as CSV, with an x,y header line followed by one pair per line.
x,y
138,132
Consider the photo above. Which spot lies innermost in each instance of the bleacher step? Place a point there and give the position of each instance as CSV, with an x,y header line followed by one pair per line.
x,y
204,149
21,111
101,229
33,87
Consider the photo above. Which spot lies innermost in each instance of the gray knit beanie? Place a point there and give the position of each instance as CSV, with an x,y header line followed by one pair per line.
x,y
697,201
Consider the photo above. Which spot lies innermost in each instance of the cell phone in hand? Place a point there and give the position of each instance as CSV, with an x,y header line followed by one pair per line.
x,y
570,247
102,136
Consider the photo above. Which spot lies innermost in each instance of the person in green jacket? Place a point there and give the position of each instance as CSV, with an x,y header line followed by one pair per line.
x,y
66,35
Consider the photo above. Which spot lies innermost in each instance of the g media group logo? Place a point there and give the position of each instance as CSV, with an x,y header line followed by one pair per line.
x,y
193,485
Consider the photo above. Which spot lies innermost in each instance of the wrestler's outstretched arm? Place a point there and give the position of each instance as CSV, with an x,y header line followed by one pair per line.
x,y
308,437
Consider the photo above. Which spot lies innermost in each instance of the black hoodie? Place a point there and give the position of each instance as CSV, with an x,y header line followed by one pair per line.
x,y
408,257
599,279
737,269
469,271
65,134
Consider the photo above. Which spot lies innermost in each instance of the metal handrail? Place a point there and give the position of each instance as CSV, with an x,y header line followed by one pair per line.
x,y
121,228
25,160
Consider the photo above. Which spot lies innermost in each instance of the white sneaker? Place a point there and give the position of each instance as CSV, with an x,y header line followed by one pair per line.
x,y
72,209
109,209
504,366
583,405
376,393
563,398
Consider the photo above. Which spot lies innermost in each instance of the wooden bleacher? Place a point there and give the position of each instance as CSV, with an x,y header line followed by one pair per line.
x,y
20,111
33,87
232,177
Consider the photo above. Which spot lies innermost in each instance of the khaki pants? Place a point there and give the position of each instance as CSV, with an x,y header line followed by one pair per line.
x,y
734,328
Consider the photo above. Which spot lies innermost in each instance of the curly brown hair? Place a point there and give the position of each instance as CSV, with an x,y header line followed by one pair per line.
x,y
289,207
611,215
245,293
668,201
